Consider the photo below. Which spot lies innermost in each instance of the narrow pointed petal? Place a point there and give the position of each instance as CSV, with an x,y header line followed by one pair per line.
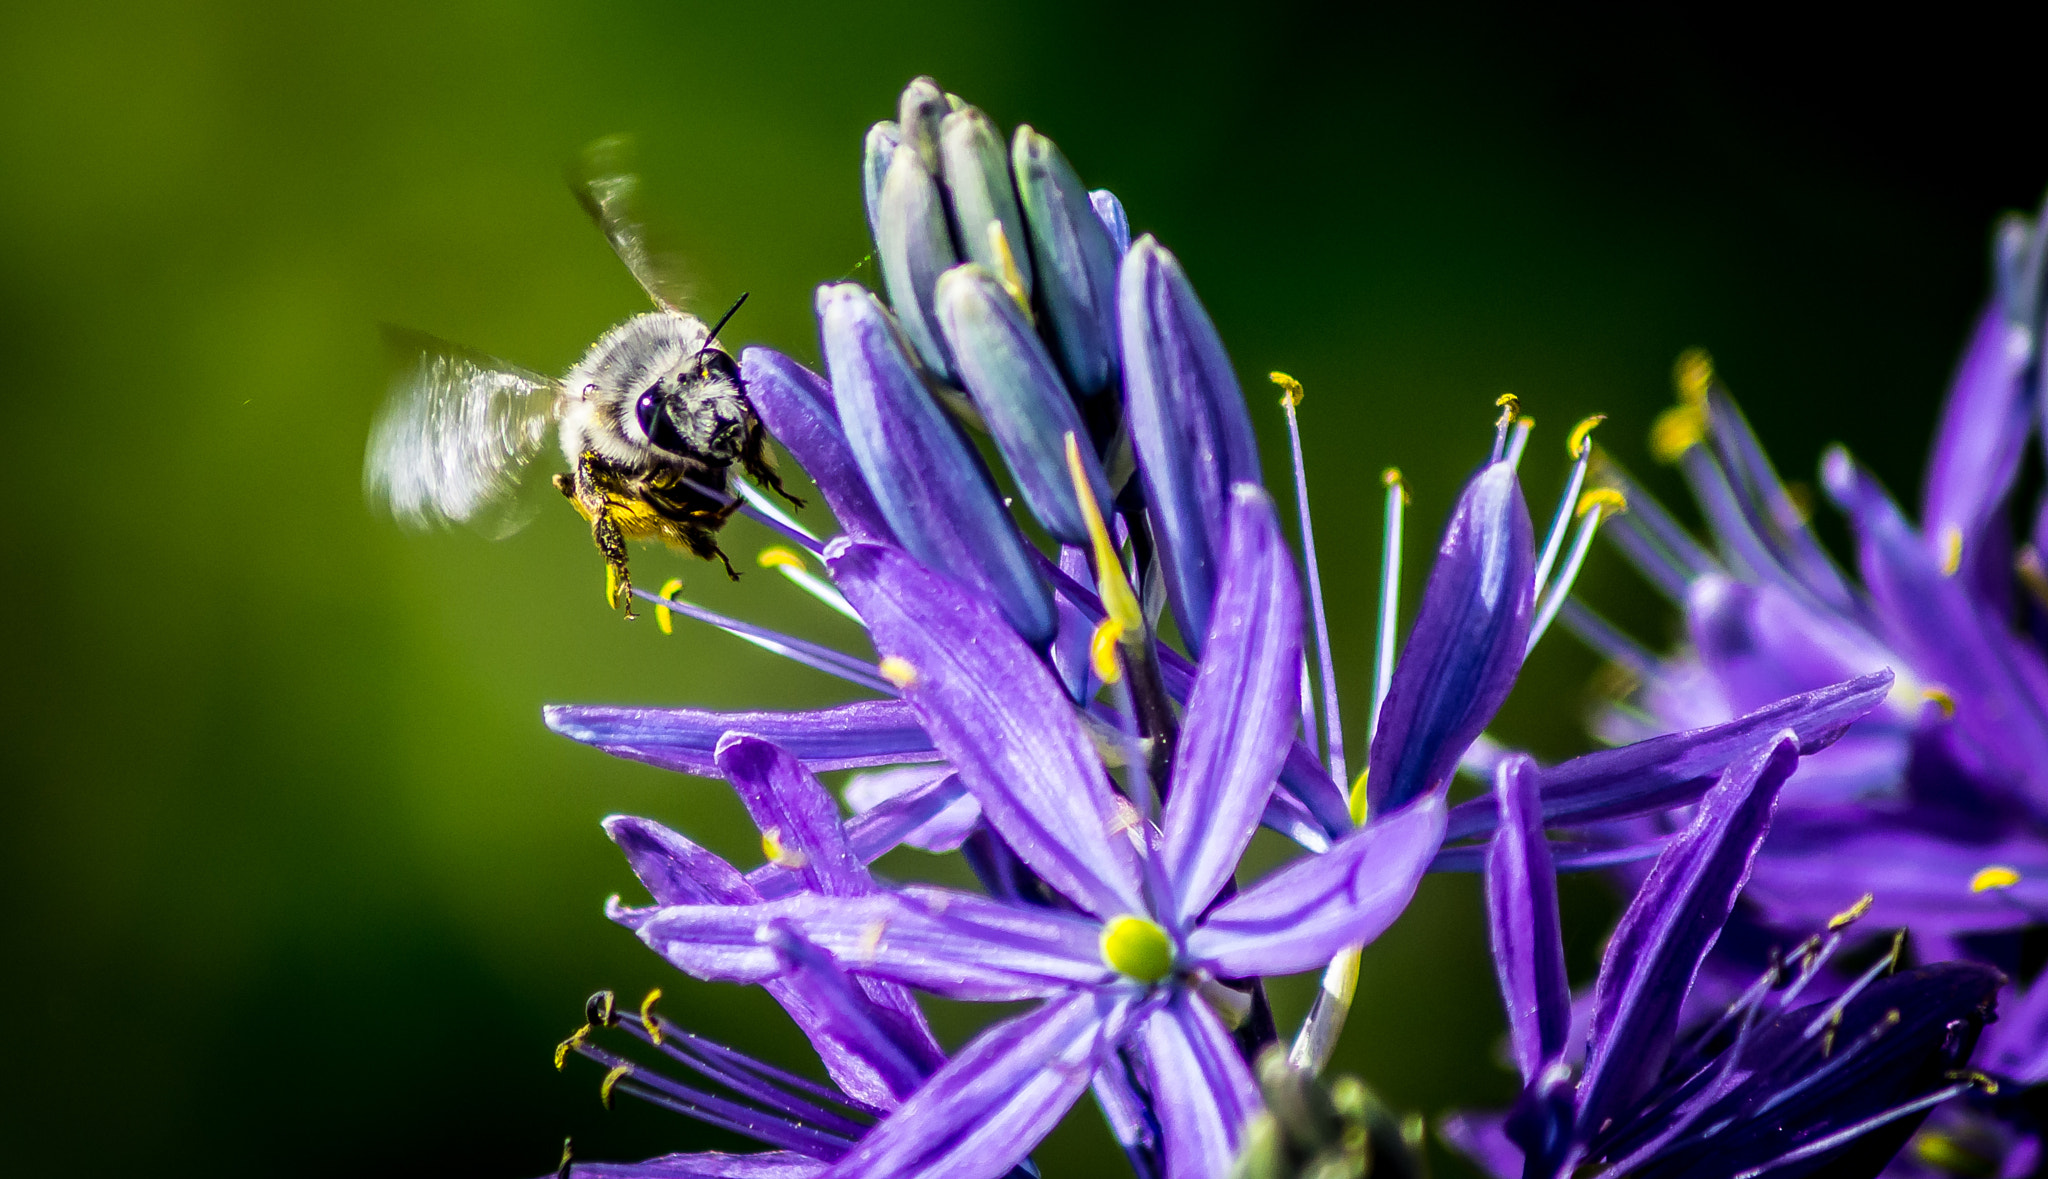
x,y
1242,712
976,168
674,870
1467,644
842,737
1521,910
783,798
1762,643
928,479
1201,1089
1983,433
923,807
1667,930
916,246
795,404
880,147
1674,770
1780,525
1074,259
1299,917
772,1164
869,1033
1188,424
1020,394
1110,211
954,944
988,1108
1003,722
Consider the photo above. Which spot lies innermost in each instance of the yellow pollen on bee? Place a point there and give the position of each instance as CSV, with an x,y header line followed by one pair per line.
x,y
647,1019
898,671
779,557
1102,651
1951,550
1940,696
1610,501
1006,262
1291,391
779,853
1995,876
663,616
611,1080
611,587
1850,915
1575,443
1137,947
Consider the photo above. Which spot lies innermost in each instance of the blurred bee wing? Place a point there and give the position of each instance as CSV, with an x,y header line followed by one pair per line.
x,y
607,188
455,435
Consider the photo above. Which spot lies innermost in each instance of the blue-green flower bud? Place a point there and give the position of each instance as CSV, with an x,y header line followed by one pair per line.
x,y
916,247
883,140
977,174
1014,383
918,113
1075,258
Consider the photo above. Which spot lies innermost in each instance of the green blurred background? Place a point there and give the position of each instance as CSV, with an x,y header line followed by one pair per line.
x,y
294,880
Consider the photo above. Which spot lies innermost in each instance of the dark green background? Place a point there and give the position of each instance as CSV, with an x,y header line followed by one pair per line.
x,y
295,882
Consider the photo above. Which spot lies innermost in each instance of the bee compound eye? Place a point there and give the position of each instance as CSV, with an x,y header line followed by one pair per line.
x,y
646,410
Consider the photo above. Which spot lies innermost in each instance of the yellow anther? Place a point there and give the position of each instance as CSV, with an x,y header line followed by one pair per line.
x,y
1102,651
898,671
777,556
1006,266
563,1049
1676,431
1360,807
1951,550
1117,598
1607,499
1137,947
1391,477
1940,696
647,1019
662,614
1996,876
1693,374
1575,445
611,586
1971,1076
604,1089
780,854
1948,1156
1508,401
1290,389
1849,915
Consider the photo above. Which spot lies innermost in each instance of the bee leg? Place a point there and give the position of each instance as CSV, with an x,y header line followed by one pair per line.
x,y
760,463
704,544
604,531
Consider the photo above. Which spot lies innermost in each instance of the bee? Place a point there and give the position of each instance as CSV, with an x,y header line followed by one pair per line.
x,y
651,420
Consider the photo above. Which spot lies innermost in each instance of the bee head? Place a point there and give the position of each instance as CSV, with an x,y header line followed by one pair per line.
x,y
697,411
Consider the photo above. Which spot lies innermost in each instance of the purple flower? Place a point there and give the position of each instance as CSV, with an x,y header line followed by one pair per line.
x,y
1768,1086
1125,969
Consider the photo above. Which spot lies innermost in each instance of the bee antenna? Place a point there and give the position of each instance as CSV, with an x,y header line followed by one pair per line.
x,y
722,321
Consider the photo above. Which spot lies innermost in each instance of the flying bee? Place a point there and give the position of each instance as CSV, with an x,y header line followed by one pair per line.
x,y
651,421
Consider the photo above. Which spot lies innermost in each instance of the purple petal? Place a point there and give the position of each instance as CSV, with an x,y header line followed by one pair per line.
x,y
783,798
994,709
1242,712
1762,644
1201,1089
774,1164
1110,211
1299,917
1984,431
984,1112
1021,396
842,737
950,943
928,479
1188,424
1462,656
1667,930
1820,864
1483,1139
674,870
1674,770
796,406
926,808
1521,909
1766,511
869,1032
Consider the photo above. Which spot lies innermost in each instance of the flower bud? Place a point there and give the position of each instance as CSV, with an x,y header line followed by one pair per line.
x,y
916,247
1188,425
1075,260
1110,211
1014,383
883,140
976,170
926,477
918,112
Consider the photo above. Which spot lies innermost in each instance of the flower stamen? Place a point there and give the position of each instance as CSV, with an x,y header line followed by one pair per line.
x,y
1290,399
